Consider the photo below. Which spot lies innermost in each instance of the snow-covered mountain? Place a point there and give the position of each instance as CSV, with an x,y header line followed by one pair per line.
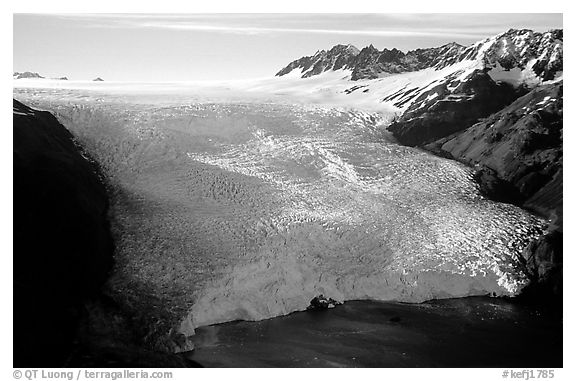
x,y
339,57
370,63
515,49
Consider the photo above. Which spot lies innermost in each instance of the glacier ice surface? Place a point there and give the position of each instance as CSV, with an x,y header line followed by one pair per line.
x,y
232,210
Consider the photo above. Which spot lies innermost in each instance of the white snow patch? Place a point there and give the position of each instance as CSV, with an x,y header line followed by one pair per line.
x,y
19,111
515,76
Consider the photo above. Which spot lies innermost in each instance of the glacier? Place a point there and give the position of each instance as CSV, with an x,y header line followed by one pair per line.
x,y
228,209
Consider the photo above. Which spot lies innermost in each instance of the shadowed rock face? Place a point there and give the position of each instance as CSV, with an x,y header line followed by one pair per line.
x,y
63,253
62,243
544,259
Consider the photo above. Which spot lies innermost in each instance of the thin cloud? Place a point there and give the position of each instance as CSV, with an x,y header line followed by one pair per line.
x,y
176,22
470,27
264,30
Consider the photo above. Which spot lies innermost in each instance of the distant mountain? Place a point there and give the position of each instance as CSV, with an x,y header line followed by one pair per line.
x,y
339,57
26,74
369,62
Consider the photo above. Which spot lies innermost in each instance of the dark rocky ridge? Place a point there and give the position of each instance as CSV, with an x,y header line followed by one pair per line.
x,y
458,101
522,145
369,62
450,107
63,254
339,57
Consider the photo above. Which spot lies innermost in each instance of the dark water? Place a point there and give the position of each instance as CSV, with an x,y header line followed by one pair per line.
x,y
468,332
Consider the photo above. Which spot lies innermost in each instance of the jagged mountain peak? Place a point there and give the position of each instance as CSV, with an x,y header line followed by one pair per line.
x,y
521,49
349,48
338,57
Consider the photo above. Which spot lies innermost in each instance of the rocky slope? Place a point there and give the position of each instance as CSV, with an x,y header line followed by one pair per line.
x,y
63,253
444,110
506,67
522,143
519,159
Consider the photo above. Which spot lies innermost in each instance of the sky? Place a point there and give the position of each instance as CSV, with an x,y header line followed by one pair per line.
x,y
191,47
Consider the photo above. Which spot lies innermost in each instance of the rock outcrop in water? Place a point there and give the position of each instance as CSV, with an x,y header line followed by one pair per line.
x,y
322,302
63,254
